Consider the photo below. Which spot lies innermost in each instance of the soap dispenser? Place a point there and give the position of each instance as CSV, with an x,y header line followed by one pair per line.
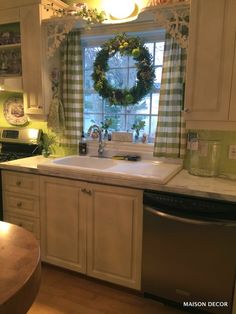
x,y
82,145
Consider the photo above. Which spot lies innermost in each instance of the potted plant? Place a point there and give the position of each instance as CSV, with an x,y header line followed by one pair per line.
x,y
47,141
105,126
137,126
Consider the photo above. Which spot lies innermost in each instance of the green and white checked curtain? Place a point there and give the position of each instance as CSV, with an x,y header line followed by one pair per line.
x,y
72,89
170,139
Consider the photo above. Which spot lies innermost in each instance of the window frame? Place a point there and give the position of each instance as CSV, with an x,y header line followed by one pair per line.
x,y
149,36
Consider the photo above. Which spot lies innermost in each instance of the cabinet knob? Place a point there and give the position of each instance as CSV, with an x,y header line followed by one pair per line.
x,y
19,204
20,224
18,183
187,110
89,192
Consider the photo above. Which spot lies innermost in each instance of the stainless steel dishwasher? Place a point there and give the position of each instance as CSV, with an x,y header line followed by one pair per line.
x,y
189,251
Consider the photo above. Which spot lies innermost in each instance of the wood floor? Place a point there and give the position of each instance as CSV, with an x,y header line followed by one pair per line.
x,y
63,292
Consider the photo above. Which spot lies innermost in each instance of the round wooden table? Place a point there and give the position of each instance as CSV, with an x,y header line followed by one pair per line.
x,y
20,269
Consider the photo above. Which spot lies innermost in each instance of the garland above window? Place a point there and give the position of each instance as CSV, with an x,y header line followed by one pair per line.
x,y
145,70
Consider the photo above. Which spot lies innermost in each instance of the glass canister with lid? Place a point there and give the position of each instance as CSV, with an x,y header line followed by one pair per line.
x,y
204,157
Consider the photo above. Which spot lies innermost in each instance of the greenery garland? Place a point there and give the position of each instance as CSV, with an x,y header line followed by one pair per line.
x,y
145,70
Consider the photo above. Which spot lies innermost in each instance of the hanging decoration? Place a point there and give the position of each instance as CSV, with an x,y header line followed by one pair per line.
x,y
64,20
126,46
173,15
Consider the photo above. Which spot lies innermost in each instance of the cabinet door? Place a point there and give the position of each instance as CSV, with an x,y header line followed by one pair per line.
x,y
232,113
210,59
31,58
63,228
115,235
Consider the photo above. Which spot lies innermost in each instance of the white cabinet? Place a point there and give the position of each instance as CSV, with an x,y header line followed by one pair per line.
x,y
209,89
232,113
30,14
94,229
33,57
63,216
21,200
114,237
10,50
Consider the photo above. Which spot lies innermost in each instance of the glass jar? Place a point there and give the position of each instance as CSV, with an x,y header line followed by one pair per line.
x,y
204,157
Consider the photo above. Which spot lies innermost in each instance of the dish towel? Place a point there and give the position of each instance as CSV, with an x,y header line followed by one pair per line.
x,y
56,116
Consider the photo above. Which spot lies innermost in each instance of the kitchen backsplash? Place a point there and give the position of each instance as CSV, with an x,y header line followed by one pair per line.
x,y
226,138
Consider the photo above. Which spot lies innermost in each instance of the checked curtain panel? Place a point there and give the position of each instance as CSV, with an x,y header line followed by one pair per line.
x,y
170,139
72,89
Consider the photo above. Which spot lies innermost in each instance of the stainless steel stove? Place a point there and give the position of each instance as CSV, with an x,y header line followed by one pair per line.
x,y
18,143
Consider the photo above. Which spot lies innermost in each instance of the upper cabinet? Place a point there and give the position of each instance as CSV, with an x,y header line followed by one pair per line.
x,y
210,82
22,58
33,57
232,113
10,50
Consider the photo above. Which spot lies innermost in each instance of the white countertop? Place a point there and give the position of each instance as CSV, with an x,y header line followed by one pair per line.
x,y
182,182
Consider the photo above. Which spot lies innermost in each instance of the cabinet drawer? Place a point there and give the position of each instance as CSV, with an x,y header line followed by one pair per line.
x,y
29,224
24,205
20,183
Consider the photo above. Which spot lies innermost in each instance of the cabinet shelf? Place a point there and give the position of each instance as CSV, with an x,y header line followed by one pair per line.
x,y
11,83
10,46
6,76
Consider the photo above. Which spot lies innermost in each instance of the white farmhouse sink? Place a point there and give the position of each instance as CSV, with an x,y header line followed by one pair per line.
x,y
86,162
105,169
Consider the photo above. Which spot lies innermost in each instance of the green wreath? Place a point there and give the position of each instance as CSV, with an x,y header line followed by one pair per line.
x,y
144,64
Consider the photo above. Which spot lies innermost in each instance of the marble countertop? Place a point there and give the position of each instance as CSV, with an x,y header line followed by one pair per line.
x,y
182,182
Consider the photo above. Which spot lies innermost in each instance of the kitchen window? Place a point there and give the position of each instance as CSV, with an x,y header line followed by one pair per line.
x,y
122,73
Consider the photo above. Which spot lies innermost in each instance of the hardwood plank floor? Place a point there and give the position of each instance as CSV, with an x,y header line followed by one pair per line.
x,y
64,292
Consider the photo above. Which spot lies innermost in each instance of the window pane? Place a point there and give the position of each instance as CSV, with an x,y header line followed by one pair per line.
x,y
131,119
117,77
88,81
118,61
142,107
90,119
89,56
155,103
118,122
92,103
113,109
158,73
159,50
132,77
150,47
153,127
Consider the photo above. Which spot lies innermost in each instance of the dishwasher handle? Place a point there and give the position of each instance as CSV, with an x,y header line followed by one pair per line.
x,y
162,214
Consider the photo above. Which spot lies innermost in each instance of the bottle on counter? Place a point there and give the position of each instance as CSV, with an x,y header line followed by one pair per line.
x,y
82,145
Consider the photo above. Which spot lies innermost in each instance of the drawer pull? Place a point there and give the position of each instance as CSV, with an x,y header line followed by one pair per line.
x,y
18,183
19,204
86,191
20,224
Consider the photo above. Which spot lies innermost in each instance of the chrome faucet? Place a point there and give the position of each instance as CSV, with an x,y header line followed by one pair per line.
x,y
100,141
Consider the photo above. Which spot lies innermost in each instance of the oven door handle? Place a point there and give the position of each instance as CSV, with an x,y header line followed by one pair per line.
x,y
188,220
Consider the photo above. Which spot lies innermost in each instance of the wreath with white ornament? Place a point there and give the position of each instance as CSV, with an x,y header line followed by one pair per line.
x,y
126,46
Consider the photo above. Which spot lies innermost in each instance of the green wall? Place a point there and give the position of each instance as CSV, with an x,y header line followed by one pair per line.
x,y
4,96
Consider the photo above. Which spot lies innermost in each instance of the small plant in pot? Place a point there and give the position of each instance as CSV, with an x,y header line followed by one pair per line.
x,y
105,127
137,127
48,140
